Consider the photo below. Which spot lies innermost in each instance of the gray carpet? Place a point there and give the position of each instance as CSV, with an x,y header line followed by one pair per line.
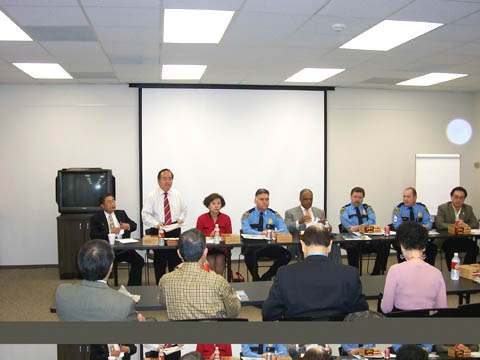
x,y
27,293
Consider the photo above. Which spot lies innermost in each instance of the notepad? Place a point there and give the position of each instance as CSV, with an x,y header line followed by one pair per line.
x,y
242,295
127,240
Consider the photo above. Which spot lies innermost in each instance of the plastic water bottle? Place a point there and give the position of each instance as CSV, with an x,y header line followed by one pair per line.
x,y
217,234
327,225
217,353
455,273
161,237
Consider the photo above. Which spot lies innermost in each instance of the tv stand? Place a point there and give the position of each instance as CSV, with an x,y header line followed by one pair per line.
x,y
73,230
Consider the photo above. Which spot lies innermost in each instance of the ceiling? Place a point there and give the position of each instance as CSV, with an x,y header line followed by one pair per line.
x,y
120,41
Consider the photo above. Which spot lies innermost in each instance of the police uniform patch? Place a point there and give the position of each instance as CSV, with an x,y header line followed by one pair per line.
x,y
342,210
419,215
396,211
245,215
371,209
364,212
278,215
270,220
395,218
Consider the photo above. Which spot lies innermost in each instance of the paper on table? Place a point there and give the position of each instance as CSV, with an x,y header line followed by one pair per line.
x,y
433,232
354,236
252,236
127,240
170,350
475,232
475,354
171,227
242,295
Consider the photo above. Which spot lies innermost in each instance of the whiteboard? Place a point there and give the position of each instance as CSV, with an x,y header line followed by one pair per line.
x,y
435,176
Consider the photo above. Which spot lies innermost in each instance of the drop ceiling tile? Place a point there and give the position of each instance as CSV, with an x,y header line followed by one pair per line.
x,y
39,2
60,33
21,51
457,33
76,51
127,59
93,75
46,15
285,6
472,48
371,9
435,11
204,4
187,53
122,3
129,17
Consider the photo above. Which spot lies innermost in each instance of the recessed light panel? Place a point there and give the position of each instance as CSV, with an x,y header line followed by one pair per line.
x,y
313,75
195,26
389,34
9,31
431,79
43,70
183,72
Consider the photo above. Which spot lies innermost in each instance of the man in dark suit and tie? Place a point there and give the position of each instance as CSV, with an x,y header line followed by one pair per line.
x,y
112,221
317,287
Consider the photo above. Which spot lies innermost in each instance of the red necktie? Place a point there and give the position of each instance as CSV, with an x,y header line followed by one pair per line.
x,y
166,210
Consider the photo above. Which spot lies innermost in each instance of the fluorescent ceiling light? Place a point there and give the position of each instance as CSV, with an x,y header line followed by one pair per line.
x,y
9,31
431,79
43,70
195,26
389,34
313,75
182,72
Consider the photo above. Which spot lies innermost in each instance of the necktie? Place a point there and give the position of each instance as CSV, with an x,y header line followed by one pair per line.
x,y
359,216
260,222
166,210
412,215
111,224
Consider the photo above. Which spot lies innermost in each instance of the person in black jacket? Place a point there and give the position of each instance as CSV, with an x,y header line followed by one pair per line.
x,y
112,221
316,288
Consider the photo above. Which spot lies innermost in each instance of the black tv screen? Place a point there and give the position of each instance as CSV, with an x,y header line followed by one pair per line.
x,y
78,190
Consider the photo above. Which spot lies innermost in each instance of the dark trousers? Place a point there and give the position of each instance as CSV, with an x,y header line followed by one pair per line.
x,y
430,253
452,245
162,258
280,256
382,249
136,265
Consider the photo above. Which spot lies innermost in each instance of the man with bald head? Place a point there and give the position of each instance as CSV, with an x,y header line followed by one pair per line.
x,y
300,217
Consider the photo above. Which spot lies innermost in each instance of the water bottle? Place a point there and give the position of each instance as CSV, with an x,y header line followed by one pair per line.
x,y
455,273
217,234
161,237
217,353
327,225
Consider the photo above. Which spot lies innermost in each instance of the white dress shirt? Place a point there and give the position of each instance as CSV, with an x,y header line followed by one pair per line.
x,y
305,212
116,223
153,213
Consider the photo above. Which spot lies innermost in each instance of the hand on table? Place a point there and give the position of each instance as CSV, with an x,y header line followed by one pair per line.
x,y
353,228
124,226
115,230
305,219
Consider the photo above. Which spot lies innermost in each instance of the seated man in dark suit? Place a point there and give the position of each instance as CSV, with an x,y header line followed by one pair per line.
x,y
317,287
111,221
92,299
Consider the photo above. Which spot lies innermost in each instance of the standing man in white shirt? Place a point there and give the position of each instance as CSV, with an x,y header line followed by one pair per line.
x,y
164,206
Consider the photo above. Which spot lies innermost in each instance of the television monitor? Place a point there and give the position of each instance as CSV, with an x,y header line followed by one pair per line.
x,y
78,189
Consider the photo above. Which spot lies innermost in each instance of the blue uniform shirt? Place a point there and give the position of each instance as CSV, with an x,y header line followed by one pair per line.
x,y
251,217
348,215
280,350
402,213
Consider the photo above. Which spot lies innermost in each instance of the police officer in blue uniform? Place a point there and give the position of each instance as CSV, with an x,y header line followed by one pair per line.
x,y
257,221
351,216
411,210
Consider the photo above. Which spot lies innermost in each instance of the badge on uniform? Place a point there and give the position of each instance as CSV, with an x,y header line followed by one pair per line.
x,y
270,220
364,212
395,218
396,211
245,215
419,215
342,210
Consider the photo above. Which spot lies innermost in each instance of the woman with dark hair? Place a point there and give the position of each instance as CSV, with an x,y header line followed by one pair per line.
x,y
206,224
413,284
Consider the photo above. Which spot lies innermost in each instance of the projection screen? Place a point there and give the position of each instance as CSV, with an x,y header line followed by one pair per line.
x,y
234,141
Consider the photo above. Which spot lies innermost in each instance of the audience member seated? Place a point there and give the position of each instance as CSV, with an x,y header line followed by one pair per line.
x,y
190,292
261,350
448,214
317,287
112,221
208,350
317,353
103,351
412,351
92,299
257,221
442,349
413,284
206,224
152,351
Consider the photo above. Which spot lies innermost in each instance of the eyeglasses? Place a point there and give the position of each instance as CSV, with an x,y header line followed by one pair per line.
x,y
459,197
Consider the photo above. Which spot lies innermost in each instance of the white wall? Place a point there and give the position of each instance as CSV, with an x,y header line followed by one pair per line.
x,y
44,129
28,351
372,139
373,136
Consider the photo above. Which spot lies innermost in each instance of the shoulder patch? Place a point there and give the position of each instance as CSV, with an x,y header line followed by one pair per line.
x,y
245,215
396,211
342,210
278,215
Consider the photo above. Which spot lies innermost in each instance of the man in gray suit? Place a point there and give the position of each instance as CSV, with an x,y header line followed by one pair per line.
x,y
297,219
449,213
92,299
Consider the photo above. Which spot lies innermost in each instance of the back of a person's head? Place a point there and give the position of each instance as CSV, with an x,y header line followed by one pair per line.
x,y
367,314
193,355
191,245
412,236
316,235
316,353
94,259
411,352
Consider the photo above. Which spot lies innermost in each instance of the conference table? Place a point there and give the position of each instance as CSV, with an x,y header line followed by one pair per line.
x,y
336,237
257,292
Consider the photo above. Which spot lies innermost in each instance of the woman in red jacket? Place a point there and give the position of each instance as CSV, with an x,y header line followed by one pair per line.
x,y
206,224
208,350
